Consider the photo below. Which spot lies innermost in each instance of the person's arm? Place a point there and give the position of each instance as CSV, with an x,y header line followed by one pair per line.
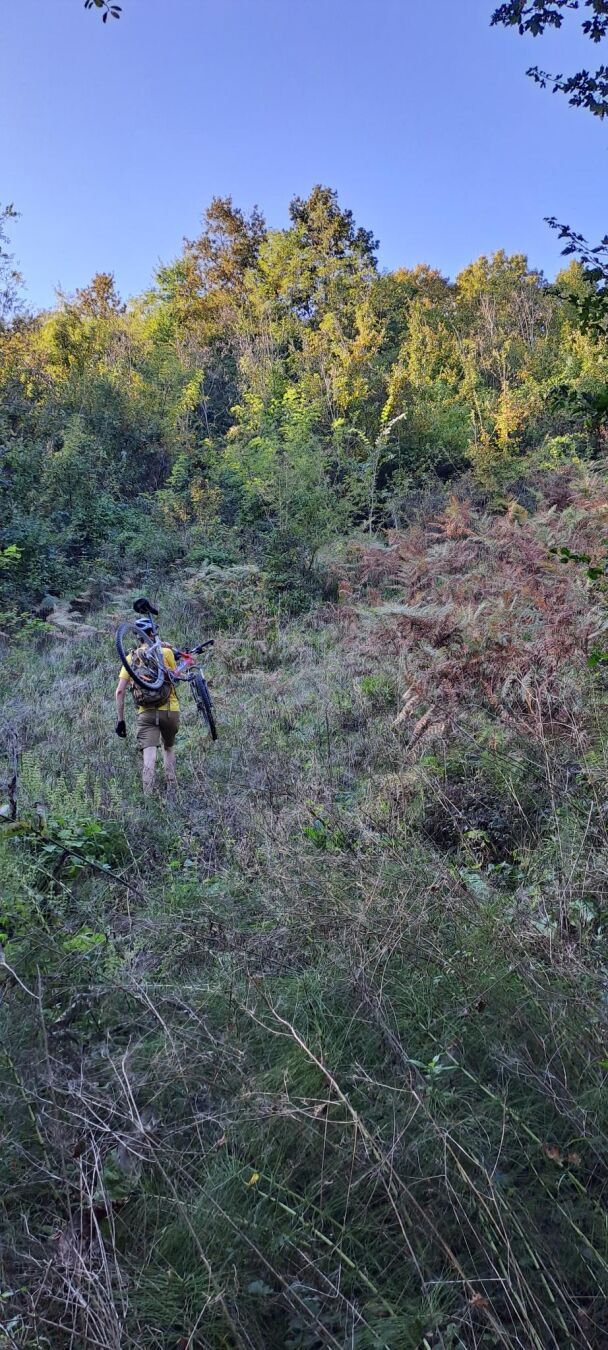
x,y
121,689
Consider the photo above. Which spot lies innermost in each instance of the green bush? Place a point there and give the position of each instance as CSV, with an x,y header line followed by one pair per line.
x,y
380,690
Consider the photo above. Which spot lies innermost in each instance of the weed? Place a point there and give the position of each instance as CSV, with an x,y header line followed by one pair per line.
x,y
379,690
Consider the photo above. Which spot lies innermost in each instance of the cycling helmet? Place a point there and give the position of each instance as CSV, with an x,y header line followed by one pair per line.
x,y
145,626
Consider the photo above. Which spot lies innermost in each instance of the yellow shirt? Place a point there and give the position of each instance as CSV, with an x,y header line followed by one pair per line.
x,y
172,704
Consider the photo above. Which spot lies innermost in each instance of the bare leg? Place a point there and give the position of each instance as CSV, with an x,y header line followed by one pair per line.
x,y
169,762
149,763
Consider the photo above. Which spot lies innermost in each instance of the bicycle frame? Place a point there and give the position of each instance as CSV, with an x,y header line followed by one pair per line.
x,y
187,663
187,666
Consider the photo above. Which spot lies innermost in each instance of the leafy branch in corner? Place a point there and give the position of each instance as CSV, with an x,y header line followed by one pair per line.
x,y
584,89
592,306
109,9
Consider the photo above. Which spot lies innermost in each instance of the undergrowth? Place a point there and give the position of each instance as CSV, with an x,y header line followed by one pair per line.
x,y
316,1054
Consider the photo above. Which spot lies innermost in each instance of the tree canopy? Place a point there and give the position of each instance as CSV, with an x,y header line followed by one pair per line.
x,y
272,388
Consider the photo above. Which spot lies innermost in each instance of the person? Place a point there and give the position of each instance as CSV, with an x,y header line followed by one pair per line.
x,y
155,725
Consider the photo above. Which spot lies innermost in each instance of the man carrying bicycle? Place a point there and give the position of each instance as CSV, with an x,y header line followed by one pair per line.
x,y
158,721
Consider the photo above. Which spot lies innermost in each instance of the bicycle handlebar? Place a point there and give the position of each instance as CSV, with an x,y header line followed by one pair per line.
x,y
201,646
193,651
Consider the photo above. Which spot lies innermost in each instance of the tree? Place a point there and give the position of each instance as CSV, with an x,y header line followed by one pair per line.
x,y
504,319
10,278
583,89
204,299
273,388
100,299
322,261
227,247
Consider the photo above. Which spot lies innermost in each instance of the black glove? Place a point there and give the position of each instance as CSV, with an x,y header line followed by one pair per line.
x,y
121,728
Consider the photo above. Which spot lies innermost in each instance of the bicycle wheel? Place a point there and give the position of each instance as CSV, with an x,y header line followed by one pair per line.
x,y
202,698
130,645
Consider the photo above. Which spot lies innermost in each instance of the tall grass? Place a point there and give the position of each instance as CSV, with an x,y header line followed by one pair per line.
x,y
315,1055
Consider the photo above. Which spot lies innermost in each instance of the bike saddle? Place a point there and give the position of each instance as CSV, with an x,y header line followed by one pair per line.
x,y
143,606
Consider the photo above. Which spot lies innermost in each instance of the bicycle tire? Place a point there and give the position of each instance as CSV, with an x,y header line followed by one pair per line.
x,y
202,698
156,680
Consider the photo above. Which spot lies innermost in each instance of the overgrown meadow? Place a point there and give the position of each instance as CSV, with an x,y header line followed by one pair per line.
x,y
316,1055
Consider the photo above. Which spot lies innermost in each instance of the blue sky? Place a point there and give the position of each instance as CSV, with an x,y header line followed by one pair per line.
x,y
114,138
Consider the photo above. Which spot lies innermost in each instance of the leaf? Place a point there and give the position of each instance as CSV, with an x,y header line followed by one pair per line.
x,y
253,1180
84,941
119,1177
475,883
552,1152
478,1301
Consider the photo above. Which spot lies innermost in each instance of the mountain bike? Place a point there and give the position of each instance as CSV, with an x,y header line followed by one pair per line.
x,y
142,657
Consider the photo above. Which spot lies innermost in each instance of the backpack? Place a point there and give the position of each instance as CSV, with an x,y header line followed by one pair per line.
x,y
148,698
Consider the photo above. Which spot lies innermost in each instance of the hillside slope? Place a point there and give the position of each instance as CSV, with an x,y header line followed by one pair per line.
x,y
316,1054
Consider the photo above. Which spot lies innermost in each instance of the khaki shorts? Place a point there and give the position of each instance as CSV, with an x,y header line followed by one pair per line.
x,y
154,726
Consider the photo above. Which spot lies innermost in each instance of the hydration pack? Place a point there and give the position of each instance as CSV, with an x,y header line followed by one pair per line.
x,y
148,698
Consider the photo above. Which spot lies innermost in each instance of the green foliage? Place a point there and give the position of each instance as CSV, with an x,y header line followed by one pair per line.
x,y
229,597
77,844
380,690
9,556
273,386
200,551
325,835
